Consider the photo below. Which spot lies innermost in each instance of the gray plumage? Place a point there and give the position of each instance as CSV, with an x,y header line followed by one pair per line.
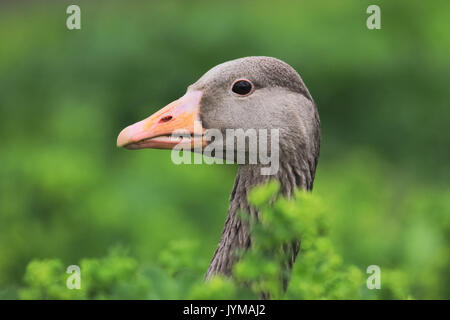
x,y
280,100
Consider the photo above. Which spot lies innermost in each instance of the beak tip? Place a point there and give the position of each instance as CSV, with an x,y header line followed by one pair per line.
x,y
122,139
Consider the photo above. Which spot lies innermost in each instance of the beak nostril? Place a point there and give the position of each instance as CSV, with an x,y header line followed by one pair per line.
x,y
165,119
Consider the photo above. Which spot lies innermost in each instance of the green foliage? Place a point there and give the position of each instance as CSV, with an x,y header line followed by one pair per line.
x,y
319,273
218,287
181,255
45,279
115,276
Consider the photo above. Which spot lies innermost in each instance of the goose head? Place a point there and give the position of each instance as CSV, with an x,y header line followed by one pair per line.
x,y
247,93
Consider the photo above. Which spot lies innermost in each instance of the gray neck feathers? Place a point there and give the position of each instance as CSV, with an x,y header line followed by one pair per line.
x,y
297,173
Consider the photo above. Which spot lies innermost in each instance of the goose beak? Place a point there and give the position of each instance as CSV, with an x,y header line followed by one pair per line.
x,y
178,123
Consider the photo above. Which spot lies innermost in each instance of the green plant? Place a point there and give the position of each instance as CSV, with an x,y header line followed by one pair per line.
x,y
320,272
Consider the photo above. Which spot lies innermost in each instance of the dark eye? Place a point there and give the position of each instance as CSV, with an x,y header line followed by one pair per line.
x,y
242,87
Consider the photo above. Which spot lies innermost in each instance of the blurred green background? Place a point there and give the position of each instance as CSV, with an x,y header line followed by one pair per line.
x,y
67,193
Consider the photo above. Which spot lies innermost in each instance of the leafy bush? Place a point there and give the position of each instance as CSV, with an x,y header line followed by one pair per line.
x,y
115,276
319,273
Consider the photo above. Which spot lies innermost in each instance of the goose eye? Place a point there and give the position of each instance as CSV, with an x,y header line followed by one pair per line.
x,y
242,87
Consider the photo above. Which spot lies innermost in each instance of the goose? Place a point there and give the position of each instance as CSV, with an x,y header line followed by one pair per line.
x,y
247,93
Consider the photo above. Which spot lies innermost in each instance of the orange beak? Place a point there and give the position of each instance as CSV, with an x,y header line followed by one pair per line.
x,y
178,123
